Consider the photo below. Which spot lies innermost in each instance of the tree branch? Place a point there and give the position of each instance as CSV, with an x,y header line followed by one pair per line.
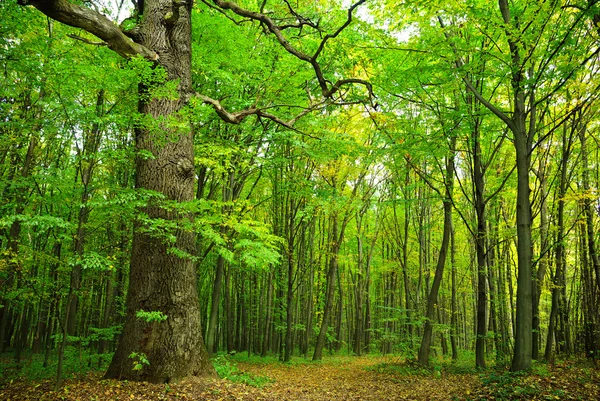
x,y
326,90
301,20
84,40
94,23
238,117
460,63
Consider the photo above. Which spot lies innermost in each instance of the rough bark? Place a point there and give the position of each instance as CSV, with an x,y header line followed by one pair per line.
x,y
160,280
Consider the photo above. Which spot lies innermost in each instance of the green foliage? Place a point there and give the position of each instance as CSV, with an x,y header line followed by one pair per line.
x,y
139,360
406,368
227,369
77,362
151,316
506,385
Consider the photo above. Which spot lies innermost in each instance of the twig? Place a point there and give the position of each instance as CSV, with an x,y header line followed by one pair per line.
x,y
84,40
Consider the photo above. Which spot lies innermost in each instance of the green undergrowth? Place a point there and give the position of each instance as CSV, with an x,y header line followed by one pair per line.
x,y
570,379
31,367
226,367
438,366
337,359
504,385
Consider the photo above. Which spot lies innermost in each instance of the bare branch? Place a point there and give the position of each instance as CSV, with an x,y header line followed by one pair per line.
x,y
339,30
238,117
335,87
224,13
327,90
94,23
301,20
84,40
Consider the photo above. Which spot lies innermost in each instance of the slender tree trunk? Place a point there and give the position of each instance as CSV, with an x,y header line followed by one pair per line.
x,y
524,312
268,316
542,264
311,284
289,303
228,310
339,315
423,356
588,207
453,305
337,234
480,241
560,247
358,298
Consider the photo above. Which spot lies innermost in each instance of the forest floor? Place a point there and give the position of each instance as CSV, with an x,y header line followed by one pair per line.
x,y
337,378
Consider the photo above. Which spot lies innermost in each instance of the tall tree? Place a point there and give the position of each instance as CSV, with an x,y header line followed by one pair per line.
x,y
432,298
162,273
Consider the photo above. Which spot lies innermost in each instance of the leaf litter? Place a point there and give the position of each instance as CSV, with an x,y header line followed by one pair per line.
x,y
347,378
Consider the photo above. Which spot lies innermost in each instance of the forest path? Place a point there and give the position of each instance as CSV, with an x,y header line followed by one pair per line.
x,y
357,378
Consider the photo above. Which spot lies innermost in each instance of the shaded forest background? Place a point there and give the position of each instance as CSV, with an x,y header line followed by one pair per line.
x,y
372,221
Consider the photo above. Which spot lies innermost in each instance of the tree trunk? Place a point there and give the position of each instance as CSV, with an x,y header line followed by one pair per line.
x,y
268,316
480,241
542,264
423,356
87,163
160,280
358,285
330,289
211,343
524,313
560,261
290,282
453,305
588,208
311,284
228,310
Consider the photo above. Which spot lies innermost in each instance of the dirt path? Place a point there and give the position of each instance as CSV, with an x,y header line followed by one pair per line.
x,y
357,379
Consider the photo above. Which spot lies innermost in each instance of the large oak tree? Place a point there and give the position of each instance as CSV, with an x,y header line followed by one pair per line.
x,y
162,280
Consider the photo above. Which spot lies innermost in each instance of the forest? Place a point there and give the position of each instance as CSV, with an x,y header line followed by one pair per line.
x,y
299,200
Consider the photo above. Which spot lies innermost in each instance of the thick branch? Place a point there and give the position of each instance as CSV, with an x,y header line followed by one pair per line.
x,y
236,118
94,23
